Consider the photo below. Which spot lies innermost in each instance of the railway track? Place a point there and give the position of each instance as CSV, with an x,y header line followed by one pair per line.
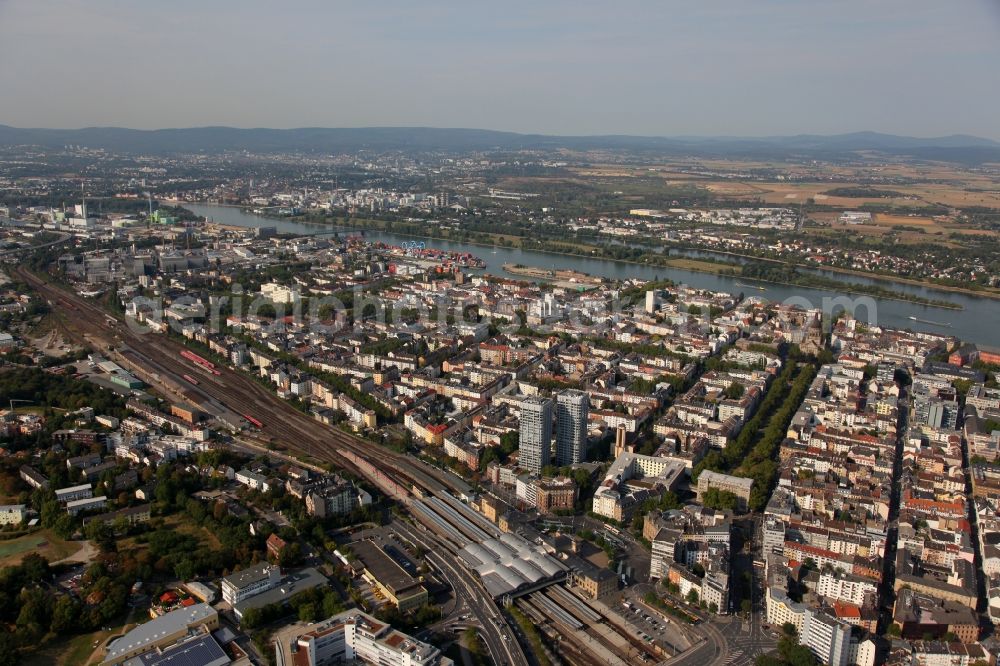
x,y
232,389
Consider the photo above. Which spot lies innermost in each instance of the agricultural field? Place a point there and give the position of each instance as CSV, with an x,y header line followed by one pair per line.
x,y
908,228
918,186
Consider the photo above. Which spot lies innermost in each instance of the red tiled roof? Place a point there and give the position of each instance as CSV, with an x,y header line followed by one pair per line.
x,y
843,609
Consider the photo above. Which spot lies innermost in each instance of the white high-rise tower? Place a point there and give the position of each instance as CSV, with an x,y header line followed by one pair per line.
x,y
536,434
571,426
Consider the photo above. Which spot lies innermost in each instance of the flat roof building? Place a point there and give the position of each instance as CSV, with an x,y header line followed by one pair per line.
x,y
398,586
161,631
827,637
353,636
250,581
288,586
88,504
632,479
71,493
734,484
196,650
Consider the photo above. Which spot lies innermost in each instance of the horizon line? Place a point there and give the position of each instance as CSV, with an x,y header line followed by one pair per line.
x,y
755,137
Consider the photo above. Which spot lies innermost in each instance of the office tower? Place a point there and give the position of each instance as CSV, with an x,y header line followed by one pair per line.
x,y
536,433
571,427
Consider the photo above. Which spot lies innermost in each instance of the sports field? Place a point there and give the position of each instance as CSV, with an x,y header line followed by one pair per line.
x,y
45,543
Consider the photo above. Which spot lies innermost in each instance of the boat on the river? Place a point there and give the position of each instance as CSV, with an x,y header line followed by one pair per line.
x,y
929,322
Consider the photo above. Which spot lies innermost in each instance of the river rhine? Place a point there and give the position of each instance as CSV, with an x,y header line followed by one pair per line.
x,y
978,321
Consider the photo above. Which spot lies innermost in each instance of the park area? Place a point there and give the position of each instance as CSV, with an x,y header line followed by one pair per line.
x,y
43,542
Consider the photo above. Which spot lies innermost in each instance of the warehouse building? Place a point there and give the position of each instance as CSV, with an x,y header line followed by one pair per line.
x,y
390,579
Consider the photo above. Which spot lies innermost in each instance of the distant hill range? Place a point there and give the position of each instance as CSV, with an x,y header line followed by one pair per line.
x,y
957,148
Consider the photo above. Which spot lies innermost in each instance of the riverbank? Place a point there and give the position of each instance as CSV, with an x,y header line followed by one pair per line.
x,y
965,291
706,266
790,274
694,265
984,293
181,203
547,274
845,287
889,313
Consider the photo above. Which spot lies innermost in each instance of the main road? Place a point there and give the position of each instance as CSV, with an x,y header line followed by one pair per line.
x,y
63,237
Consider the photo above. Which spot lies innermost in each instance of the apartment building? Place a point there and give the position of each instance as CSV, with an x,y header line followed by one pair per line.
x,y
734,484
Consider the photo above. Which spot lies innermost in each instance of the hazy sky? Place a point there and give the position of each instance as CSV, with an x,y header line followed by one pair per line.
x,y
662,67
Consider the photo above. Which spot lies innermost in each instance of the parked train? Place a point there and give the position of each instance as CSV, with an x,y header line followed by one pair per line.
x,y
203,362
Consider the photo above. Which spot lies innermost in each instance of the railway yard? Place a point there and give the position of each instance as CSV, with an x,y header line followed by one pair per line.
x,y
587,632
229,395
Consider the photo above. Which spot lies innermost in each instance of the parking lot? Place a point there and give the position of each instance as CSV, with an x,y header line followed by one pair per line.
x,y
652,627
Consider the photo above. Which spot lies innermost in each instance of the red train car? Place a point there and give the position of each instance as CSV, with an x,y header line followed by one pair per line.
x,y
199,360
253,420
190,379
191,356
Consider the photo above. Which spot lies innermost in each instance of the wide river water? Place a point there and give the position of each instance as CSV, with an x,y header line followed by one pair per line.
x,y
978,321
